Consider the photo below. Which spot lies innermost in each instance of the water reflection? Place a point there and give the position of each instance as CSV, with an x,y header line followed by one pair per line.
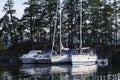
x,y
84,69
59,72
6,76
56,72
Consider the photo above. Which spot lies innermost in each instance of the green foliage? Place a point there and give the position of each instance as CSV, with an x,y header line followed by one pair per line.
x,y
100,22
2,46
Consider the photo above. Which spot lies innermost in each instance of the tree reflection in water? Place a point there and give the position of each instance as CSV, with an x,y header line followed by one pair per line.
x,y
59,72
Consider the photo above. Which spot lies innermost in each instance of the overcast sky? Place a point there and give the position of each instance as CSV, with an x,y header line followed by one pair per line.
x,y
18,6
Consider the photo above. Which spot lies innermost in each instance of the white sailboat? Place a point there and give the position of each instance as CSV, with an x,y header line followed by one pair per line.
x,y
30,56
63,57
84,57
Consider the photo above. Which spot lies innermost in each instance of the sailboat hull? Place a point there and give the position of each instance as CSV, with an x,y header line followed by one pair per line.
x,y
60,59
44,61
28,60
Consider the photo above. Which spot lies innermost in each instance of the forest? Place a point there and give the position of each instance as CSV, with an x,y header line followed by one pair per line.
x,y
100,22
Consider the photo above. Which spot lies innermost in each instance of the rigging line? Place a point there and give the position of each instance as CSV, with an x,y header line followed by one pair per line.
x,y
53,43
80,24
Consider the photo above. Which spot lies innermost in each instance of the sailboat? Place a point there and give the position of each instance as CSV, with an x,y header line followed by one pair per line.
x,y
85,56
63,56
30,56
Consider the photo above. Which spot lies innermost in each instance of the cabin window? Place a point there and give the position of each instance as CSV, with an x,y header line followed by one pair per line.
x,y
34,55
47,56
38,52
40,56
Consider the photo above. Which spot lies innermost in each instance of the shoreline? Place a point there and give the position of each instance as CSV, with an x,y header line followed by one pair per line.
x,y
12,53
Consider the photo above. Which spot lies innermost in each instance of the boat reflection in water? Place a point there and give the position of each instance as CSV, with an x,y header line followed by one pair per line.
x,y
33,69
84,69
83,72
56,72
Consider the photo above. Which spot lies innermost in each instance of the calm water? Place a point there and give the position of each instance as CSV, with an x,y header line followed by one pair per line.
x,y
59,72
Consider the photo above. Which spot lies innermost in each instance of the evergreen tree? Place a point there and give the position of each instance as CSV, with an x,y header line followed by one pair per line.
x,y
8,8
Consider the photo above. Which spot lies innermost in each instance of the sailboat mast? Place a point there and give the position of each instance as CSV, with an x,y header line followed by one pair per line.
x,y
60,27
53,43
80,24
